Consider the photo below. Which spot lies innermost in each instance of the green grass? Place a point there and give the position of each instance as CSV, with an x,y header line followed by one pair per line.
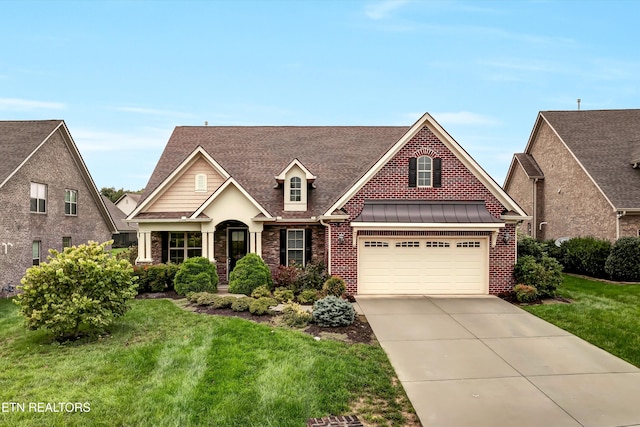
x,y
605,314
165,366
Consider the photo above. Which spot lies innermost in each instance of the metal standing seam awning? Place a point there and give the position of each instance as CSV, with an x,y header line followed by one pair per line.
x,y
426,215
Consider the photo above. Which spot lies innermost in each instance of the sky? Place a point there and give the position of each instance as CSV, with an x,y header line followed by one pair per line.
x,y
123,74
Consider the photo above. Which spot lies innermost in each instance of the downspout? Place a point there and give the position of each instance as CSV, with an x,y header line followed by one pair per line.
x,y
534,220
618,216
328,245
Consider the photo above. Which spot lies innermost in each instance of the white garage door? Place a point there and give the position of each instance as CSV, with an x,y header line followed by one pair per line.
x,y
423,265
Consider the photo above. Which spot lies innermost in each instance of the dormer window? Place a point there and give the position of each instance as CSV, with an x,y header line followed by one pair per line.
x,y
201,182
295,189
424,171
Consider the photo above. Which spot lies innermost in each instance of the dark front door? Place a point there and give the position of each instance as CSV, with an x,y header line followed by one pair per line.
x,y
238,245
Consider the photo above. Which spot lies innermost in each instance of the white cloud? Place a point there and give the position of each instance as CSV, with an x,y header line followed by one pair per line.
x,y
465,118
381,10
152,111
17,104
96,140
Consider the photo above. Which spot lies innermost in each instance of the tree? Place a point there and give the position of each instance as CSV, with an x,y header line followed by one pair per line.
x,y
80,290
112,194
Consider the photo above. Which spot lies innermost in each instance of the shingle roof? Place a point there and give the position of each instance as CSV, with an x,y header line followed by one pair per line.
x,y
254,155
117,216
605,142
529,165
18,139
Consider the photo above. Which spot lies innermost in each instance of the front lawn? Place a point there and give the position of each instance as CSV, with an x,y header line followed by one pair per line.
x,y
605,314
165,366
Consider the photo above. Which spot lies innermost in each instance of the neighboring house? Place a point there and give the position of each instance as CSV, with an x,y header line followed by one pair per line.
x,y
128,202
127,233
579,175
392,210
48,198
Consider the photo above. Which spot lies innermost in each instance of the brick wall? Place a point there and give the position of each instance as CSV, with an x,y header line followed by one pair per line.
x,y
630,226
54,166
520,188
391,182
271,243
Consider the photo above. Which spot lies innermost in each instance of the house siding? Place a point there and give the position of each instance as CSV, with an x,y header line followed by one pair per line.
x,y
571,204
391,182
520,188
181,196
54,166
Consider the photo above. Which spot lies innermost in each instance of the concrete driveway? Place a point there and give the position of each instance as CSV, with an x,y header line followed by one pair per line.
x,y
480,361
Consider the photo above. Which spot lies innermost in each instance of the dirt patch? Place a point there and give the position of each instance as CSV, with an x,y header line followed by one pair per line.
x,y
511,297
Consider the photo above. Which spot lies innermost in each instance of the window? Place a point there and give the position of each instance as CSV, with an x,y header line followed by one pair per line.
x,y
468,244
437,244
424,171
70,202
408,245
295,247
201,182
38,198
35,250
368,244
184,245
295,191
66,242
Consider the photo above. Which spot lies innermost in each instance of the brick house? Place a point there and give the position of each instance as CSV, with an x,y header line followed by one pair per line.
x,y
48,196
579,175
400,210
127,232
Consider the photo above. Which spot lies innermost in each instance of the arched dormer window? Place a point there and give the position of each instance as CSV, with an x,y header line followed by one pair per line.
x,y
201,182
425,171
295,189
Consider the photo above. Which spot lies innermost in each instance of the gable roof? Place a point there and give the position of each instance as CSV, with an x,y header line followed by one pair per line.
x,y
337,155
20,140
604,142
118,216
134,196
529,165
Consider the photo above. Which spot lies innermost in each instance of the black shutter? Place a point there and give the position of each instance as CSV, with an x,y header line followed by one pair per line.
x,y
307,245
437,172
283,246
164,241
413,166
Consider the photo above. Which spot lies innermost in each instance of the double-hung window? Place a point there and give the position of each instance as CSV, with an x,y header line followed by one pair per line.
x,y
295,247
424,171
295,190
70,202
35,250
38,198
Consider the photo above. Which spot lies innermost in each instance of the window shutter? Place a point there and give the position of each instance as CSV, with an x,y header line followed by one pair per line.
x,y
283,246
437,172
413,166
307,245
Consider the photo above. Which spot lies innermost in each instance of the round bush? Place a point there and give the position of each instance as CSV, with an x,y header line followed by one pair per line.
x,y
261,291
196,274
585,255
249,273
283,295
525,293
241,304
333,312
294,316
80,290
334,286
308,296
530,246
261,306
544,275
623,262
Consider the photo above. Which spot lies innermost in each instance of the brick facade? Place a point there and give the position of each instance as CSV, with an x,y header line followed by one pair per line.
x,y
391,183
54,166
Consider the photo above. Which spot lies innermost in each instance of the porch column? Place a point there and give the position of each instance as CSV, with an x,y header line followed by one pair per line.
x,y
255,242
144,246
208,245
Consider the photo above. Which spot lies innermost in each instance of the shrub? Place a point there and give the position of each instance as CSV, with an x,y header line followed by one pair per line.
x,y
585,255
283,295
308,296
261,291
334,286
225,302
312,276
552,249
525,293
81,289
206,298
155,278
241,304
130,254
544,275
294,316
192,297
287,276
530,246
261,306
196,274
249,273
623,262
333,312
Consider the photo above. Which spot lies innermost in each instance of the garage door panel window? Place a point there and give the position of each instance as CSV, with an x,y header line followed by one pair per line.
x,y
370,244
407,244
468,245
437,244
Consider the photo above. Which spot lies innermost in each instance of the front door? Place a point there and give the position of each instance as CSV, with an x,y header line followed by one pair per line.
x,y
237,246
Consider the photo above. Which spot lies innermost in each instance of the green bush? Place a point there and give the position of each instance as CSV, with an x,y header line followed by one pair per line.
x,y
624,261
196,274
544,275
241,304
308,296
334,286
155,278
530,246
82,289
585,255
312,276
206,298
130,254
333,312
261,291
283,295
525,293
552,249
294,316
249,273
192,297
261,306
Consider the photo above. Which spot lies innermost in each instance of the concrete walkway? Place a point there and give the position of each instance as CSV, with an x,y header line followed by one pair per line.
x,y
480,361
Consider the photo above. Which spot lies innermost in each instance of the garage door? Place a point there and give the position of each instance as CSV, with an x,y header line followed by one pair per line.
x,y
423,265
